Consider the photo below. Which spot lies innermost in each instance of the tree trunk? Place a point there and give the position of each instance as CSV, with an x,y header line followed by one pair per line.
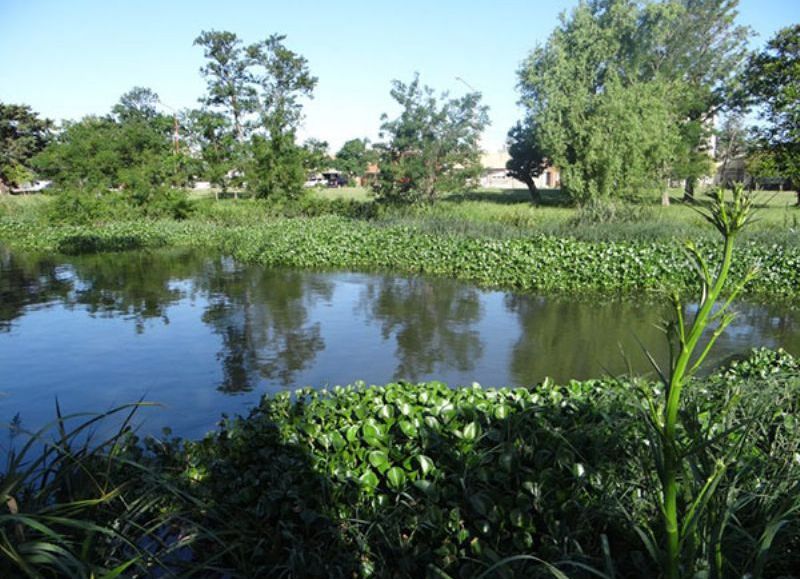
x,y
688,191
536,196
665,197
798,196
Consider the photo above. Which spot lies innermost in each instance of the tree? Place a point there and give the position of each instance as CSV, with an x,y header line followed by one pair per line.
x,y
315,156
138,104
281,79
258,89
696,43
619,71
773,82
432,146
132,151
354,157
22,135
527,157
732,142
209,133
229,82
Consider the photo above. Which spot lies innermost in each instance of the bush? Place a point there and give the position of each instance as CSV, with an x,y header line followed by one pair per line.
x,y
409,480
87,207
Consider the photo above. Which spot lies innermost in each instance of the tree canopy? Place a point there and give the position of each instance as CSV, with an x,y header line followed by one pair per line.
x,y
432,146
23,134
623,93
773,83
254,106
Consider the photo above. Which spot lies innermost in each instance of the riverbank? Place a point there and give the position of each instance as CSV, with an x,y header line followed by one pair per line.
x,y
534,263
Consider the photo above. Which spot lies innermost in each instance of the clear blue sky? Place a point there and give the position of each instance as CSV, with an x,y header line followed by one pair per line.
x,y
71,58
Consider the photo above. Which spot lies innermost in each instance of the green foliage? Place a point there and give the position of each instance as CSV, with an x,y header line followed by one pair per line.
x,y
79,207
22,135
354,156
315,156
276,168
773,82
432,147
75,507
413,479
257,233
254,99
619,100
527,160
686,521
132,151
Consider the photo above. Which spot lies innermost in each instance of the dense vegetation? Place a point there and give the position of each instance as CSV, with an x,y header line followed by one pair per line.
x,y
408,480
521,259
611,478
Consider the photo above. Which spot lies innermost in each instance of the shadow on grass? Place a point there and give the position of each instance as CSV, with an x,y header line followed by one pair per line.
x,y
550,197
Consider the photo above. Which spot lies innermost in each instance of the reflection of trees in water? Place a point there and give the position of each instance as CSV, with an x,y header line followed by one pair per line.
x,y
27,281
137,285
566,340
582,339
263,320
768,325
431,321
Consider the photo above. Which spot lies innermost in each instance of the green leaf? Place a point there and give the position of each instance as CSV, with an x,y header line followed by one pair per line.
x,y
379,459
425,463
396,477
471,431
369,479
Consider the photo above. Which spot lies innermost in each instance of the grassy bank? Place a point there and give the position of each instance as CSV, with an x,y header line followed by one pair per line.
x,y
531,262
407,480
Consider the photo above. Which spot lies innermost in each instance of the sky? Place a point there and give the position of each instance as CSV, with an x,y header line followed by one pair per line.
x,y
67,59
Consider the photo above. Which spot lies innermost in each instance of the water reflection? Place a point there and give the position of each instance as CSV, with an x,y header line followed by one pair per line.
x,y
431,324
263,320
191,330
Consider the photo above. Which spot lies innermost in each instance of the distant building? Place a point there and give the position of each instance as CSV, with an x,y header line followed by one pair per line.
x,y
495,174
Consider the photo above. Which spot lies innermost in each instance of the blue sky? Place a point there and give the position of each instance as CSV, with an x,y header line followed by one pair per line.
x,y
71,58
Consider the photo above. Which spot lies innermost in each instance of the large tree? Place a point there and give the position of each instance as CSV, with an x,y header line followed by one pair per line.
x,y
258,89
22,135
644,77
228,78
773,83
432,146
131,149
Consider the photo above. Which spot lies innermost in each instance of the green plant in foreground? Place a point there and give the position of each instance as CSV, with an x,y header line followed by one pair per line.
x,y
78,508
729,218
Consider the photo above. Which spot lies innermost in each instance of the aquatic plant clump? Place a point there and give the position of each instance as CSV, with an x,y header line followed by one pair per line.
x,y
541,263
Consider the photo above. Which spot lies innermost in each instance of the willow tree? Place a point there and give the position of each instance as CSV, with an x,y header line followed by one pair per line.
x,y
623,93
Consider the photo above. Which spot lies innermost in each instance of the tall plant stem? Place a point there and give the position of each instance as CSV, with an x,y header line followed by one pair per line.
x,y
680,373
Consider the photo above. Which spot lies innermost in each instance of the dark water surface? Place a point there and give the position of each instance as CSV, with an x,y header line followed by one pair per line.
x,y
205,335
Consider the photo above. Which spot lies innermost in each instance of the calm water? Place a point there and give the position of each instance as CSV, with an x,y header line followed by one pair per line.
x,y
204,335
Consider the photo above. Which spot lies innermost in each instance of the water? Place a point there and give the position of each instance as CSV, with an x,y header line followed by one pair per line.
x,y
205,336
